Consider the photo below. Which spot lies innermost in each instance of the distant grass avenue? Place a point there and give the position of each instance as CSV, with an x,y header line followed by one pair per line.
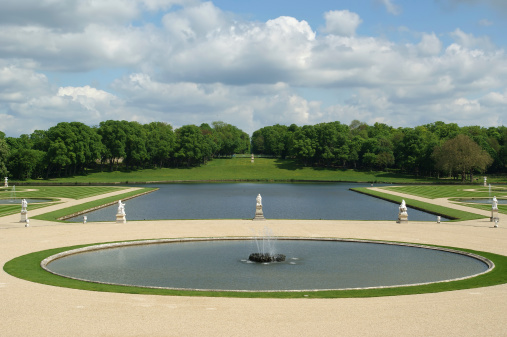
x,y
241,169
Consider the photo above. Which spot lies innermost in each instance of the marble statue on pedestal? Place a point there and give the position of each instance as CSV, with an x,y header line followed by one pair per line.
x,y
24,212
494,210
120,215
6,182
402,213
259,215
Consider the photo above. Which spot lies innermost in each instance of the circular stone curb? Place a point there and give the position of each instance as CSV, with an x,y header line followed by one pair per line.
x,y
54,257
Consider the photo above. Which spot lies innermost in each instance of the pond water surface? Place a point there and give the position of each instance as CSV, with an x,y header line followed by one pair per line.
x,y
309,265
328,201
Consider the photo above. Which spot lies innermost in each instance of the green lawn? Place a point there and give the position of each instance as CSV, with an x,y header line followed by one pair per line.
x,y
69,192
452,191
240,169
55,215
430,208
28,267
56,192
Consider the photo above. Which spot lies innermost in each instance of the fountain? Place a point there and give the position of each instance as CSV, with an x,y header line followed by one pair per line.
x,y
266,249
12,197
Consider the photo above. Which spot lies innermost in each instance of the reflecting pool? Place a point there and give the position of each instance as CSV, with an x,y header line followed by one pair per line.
x,y
328,201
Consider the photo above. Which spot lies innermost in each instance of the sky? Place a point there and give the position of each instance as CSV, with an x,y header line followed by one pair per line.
x,y
252,63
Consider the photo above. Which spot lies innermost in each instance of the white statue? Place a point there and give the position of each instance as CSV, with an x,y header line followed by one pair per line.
x,y
403,207
494,203
259,200
6,182
24,204
121,207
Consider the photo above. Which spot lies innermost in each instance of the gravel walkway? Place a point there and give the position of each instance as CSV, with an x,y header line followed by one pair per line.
x,y
31,309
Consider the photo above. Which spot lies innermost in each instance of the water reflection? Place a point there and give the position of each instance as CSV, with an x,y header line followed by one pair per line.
x,y
327,201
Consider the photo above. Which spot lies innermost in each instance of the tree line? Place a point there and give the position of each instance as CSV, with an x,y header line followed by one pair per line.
x,y
428,150
71,148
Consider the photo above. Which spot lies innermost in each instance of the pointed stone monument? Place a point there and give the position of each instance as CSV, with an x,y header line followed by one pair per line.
x,y
259,216
402,213
120,215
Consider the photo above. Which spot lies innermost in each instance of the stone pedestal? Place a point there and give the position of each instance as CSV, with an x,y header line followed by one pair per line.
x,y
402,217
258,213
494,215
24,216
120,218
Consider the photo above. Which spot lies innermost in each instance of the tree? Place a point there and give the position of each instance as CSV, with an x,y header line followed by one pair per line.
x,y
114,139
4,154
159,142
191,145
135,144
461,155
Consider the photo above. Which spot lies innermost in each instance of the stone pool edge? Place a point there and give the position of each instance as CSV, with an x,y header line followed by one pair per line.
x,y
93,247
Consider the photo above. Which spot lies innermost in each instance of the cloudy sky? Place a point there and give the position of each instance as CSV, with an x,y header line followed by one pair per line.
x,y
252,63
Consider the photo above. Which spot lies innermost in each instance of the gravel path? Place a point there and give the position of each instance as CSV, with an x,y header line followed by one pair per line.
x,y
31,309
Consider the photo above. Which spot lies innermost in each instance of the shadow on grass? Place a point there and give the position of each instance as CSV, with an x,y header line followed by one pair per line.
x,y
288,164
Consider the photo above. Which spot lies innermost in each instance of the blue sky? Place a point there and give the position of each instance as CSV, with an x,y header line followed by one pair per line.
x,y
252,63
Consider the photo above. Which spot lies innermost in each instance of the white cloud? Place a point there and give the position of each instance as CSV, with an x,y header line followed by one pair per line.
x,y
341,22
470,41
430,45
67,15
391,7
203,64
485,22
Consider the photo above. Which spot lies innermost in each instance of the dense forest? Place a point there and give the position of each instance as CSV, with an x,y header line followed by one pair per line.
x,y
429,150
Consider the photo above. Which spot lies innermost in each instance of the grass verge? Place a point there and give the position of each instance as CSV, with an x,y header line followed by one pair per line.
x,y
79,209
28,267
447,212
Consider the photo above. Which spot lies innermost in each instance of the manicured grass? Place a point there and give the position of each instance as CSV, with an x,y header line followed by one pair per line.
x,y
241,169
486,207
430,208
451,191
55,215
69,192
28,267
13,209
51,192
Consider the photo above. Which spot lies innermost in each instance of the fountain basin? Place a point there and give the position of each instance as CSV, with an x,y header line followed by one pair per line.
x,y
220,264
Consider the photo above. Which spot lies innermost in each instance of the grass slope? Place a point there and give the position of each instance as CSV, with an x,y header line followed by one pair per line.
x,y
240,169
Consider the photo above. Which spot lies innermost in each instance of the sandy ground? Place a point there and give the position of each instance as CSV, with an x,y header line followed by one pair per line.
x,y
31,309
